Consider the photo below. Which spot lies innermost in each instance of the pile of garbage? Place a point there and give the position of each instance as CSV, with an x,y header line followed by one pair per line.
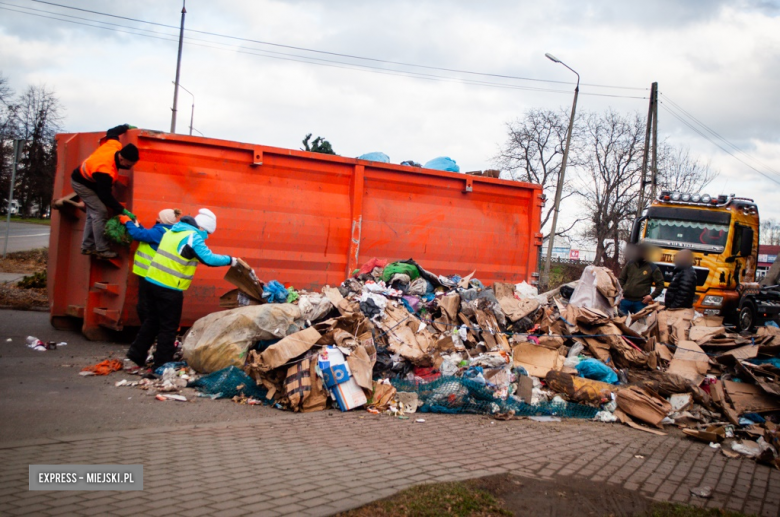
x,y
396,338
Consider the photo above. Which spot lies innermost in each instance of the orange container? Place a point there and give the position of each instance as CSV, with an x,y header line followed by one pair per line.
x,y
305,219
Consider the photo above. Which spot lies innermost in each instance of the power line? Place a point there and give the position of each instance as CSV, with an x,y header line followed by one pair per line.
x,y
79,23
302,59
337,54
704,135
682,111
717,135
78,18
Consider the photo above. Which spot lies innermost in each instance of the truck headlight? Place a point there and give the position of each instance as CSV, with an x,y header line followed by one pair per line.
x,y
712,300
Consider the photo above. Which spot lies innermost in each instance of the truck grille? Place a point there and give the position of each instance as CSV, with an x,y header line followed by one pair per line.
x,y
668,270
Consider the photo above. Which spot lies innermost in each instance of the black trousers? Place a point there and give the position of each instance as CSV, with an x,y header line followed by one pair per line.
x,y
143,300
162,323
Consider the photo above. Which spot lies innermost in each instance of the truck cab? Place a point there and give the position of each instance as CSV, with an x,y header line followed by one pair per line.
x,y
722,233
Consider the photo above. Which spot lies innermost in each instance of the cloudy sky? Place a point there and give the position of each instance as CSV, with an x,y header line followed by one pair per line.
x,y
719,61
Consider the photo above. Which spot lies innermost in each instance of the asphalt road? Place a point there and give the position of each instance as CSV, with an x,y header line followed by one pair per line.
x,y
43,395
24,236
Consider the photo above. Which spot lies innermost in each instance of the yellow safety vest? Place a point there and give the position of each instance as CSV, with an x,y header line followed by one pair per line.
x,y
168,267
142,258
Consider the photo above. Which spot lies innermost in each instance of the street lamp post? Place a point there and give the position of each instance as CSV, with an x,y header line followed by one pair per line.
x,y
192,112
18,146
561,174
178,70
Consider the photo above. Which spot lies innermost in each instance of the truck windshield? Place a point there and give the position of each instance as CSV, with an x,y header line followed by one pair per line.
x,y
710,236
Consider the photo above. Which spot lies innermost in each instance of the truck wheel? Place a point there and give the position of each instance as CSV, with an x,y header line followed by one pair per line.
x,y
747,316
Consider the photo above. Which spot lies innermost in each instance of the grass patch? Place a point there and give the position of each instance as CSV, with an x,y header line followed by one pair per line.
x,y
504,495
31,261
35,281
13,297
458,499
681,510
30,220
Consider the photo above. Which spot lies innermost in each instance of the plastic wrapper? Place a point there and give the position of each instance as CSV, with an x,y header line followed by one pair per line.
x,y
228,383
221,339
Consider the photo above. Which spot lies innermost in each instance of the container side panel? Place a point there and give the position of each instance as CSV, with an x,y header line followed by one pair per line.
x,y
447,230
299,218
68,270
289,218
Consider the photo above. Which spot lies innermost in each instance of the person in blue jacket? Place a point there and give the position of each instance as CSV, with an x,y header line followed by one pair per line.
x,y
170,273
148,240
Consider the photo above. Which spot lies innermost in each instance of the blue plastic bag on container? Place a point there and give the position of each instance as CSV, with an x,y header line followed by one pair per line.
x,y
596,370
375,157
274,292
442,163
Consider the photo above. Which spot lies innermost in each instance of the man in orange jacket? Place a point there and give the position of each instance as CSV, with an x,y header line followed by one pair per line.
x,y
93,181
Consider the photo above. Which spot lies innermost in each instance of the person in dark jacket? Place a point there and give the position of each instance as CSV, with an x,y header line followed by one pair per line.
x,y
93,181
148,241
641,280
682,288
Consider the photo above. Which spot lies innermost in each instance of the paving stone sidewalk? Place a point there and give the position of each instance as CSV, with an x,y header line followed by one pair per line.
x,y
322,463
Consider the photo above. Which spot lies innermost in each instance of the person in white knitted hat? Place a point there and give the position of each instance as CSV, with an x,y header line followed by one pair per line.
x,y
170,274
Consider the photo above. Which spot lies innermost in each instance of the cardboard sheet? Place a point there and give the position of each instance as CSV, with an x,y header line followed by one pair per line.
x,y
702,334
243,276
513,308
337,300
288,348
738,354
537,360
638,427
690,361
749,398
643,404
718,394
361,366
673,324
713,433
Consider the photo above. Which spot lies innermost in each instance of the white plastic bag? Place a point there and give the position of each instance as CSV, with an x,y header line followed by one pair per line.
x,y
524,290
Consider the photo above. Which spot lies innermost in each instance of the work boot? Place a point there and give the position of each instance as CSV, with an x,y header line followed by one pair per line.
x,y
108,254
131,360
88,251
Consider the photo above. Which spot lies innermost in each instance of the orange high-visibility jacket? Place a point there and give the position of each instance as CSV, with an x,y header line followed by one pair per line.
x,y
102,160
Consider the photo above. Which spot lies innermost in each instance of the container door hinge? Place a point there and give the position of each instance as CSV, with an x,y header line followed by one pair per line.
x,y
469,185
257,157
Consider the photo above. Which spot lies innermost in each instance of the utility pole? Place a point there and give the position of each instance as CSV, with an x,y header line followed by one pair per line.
x,y
192,112
645,155
654,168
178,70
561,174
18,143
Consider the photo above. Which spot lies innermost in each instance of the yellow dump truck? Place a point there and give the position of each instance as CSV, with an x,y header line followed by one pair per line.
x,y
722,233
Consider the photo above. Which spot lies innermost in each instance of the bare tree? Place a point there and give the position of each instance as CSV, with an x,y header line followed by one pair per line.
x,y
533,152
678,171
40,116
8,131
770,232
611,170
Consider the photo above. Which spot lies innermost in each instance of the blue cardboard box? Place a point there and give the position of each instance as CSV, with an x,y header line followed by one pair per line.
x,y
338,379
334,367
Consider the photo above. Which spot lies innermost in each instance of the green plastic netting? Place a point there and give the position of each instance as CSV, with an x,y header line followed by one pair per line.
x,y
455,395
116,232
